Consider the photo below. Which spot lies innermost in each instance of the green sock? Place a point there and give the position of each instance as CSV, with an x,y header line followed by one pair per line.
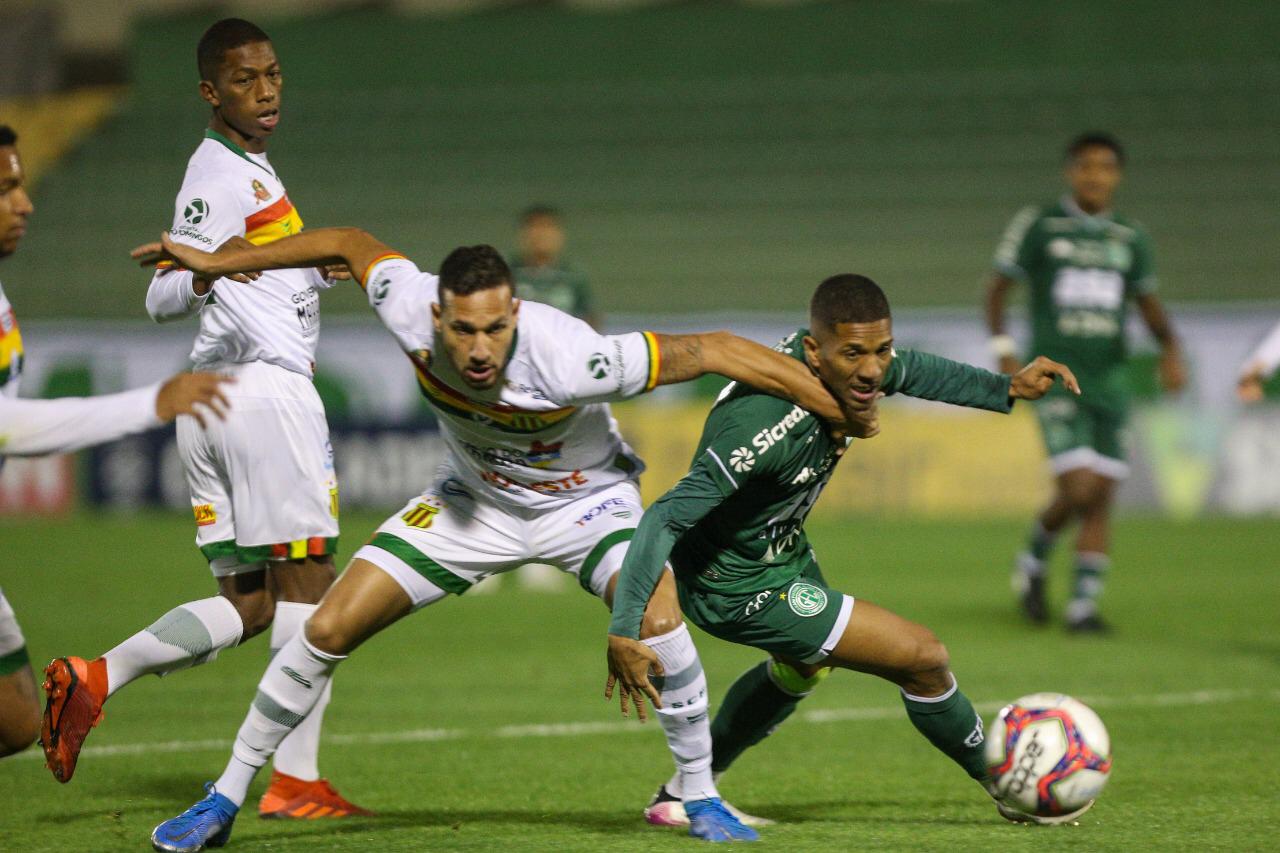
x,y
950,724
755,705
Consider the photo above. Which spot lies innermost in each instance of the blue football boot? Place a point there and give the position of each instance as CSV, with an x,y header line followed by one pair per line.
x,y
206,824
711,821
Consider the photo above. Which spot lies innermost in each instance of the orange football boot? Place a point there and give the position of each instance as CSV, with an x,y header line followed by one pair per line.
x,y
291,798
76,689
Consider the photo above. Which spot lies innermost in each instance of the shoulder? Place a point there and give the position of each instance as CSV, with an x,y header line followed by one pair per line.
x,y
1129,229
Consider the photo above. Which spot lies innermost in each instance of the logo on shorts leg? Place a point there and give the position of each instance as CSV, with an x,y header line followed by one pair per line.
x,y
205,515
421,515
805,599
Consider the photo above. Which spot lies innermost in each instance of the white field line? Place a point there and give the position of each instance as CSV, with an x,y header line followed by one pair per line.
x,y
586,729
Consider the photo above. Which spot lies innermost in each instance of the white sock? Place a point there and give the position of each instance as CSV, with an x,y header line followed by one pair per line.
x,y
299,751
683,715
188,635
292,684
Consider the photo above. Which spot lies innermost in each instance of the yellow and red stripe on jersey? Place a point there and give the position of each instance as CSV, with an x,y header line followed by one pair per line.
x,y
655,360
280,219
385,256
10,346
498,415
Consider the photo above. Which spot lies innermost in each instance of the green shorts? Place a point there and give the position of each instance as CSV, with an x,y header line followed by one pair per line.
x,y
1078,434
802,620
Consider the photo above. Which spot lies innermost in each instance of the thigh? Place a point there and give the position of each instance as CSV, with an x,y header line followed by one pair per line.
x,y
1065,428
588,537
446,541
879,641
1110,441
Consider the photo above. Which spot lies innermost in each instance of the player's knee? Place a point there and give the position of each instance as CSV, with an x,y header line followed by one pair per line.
x,y
932,659
660,621
256,609
327,632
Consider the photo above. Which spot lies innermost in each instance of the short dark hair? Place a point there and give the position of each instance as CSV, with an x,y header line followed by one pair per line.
x,y
7,135
1095,139
227,34
539,211
847,298
470,269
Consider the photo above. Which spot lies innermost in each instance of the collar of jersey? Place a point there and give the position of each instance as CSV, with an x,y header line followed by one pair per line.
x,y
1070,206
210,133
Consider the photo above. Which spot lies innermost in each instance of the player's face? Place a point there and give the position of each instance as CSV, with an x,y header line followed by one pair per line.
x,y
851,359
246,93
542,238
476,331
15,204
1094,174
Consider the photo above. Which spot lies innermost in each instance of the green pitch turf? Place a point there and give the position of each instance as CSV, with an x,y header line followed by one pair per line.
x,y
479,725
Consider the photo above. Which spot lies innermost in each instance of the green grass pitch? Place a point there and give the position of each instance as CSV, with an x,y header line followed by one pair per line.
x,y
478,724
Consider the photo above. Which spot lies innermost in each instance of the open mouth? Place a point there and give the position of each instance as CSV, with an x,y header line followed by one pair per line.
x,y
479,375
861,396
268,119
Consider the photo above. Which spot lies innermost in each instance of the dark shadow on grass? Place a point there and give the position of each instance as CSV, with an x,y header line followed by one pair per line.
x,y
863,811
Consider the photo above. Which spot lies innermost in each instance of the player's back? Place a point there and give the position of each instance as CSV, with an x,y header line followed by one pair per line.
x,y
228,192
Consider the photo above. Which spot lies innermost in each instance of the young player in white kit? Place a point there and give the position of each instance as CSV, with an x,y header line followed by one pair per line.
x,y
37,427
536,471
263,490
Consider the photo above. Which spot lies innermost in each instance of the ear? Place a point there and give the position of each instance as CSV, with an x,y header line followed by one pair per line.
x,y
435,315
209,94
515,309
811,352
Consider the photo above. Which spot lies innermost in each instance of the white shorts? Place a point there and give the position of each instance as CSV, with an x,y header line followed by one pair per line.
x,y
13,646
262,481
446,540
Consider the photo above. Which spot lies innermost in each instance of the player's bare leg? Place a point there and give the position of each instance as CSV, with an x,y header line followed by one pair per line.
x,y
1092,560
684,714
19,710
1075,491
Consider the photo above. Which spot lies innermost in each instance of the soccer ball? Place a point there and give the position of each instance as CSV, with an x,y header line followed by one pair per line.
x,y
1049,756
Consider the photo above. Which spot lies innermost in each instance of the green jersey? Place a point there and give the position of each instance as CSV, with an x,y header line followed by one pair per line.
x,y
735,523
560,286
1083,271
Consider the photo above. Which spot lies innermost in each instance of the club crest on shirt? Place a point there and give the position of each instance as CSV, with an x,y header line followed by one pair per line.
x,y
260,192
541,455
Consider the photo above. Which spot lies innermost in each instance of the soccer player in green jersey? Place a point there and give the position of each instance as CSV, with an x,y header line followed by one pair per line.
x,y
1083,265
542,274
733,532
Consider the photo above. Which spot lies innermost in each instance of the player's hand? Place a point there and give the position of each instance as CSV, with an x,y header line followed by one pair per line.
x,y
1249,388
334,272
861,424
193,394
630,662
1173,370
1034,381
1009,364
207,267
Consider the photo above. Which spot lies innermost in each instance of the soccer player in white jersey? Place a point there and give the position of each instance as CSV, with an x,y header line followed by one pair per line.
x,y
262,485
35,427
1259,367
536,471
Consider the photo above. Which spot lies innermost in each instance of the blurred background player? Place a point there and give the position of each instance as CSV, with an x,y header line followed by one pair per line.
x,y
1083,265
542,274
1259,367
34,427
262,485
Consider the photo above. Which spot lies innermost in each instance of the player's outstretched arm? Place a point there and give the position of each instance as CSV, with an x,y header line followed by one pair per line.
x,y
1173,370
37,427
932,377
685,357
355,248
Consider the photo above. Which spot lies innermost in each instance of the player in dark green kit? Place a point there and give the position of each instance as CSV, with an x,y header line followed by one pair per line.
x,y
733,531
1083,265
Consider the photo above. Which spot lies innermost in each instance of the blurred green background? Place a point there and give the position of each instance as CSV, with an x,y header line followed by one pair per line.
x,y
713,156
